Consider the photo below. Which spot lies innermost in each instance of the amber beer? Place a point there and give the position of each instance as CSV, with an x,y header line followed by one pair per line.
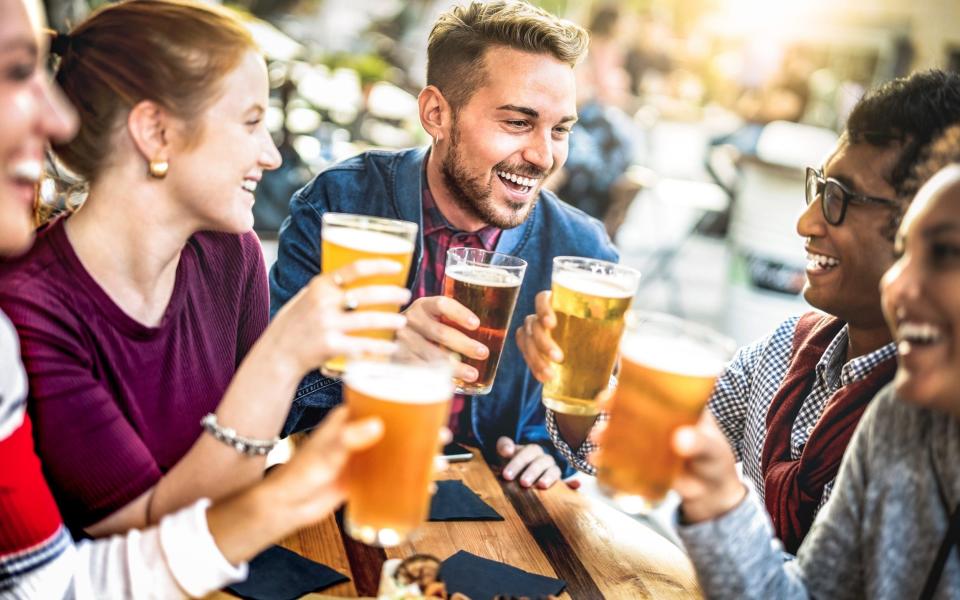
x,y
667,374
348,238
388,484
487,283
590,298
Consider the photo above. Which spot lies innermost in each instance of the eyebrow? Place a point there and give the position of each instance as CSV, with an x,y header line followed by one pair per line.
x,y
530,112
27,45
940,228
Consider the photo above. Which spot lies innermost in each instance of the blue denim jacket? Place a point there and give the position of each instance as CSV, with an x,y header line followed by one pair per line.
x,y
388,184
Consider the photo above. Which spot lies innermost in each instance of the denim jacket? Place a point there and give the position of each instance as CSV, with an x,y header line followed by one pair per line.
x,y
388,184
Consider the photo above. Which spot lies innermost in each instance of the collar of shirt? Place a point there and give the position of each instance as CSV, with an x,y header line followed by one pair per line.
x,y
434,223
834,373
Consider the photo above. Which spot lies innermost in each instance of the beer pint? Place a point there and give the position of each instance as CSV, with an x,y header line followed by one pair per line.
x,y
388,493
590,298
348,238
487,283
668,370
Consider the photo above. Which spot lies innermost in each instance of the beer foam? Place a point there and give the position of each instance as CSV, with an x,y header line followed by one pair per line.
x,y
406,384
596,284
677,355
483,276
366,240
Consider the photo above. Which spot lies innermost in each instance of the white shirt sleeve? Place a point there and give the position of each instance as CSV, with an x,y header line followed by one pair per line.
x,y
175,559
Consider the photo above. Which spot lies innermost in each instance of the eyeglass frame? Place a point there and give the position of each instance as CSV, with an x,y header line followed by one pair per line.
x,y
847,196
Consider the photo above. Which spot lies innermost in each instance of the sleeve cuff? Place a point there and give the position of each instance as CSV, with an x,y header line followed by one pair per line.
x,y
576,458
192,554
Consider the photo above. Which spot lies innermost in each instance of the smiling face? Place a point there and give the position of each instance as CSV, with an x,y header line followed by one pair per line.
x,y
921,296
31,112
846,262
215,177
509,136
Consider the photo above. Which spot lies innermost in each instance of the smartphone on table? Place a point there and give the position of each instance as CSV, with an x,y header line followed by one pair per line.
x,y
454,452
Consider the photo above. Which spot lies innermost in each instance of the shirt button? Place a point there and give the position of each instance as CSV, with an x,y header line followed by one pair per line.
x,y
810,430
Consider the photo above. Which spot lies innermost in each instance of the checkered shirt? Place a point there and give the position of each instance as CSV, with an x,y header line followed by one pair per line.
x,y
438,237
742,397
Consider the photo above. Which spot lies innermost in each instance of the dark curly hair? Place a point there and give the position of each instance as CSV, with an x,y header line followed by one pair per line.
x,y
944,151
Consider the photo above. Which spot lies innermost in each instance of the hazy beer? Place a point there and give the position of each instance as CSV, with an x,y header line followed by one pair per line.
x,y
348,238
388,484
590,298
667,374
487,283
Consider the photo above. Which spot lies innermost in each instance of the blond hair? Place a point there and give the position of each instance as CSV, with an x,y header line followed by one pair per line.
x,y
461,36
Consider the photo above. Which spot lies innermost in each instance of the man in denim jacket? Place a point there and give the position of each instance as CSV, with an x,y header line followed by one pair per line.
x,y
499,105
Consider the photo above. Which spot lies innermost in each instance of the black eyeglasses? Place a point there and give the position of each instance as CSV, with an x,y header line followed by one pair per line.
x,y
835,196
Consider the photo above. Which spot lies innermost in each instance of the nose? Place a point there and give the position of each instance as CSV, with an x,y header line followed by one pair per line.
x,y
270,157
56,118
539,151
901,284
811,222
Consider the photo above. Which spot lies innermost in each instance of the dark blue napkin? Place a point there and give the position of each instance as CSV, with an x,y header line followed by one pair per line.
x,y
279,574
456,502
482,579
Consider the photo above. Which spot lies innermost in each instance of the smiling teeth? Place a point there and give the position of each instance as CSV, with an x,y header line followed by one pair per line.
x,y
820,261
249,185
27,170
919,333
524,181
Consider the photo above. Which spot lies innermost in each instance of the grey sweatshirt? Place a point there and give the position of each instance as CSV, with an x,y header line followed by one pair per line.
x,y
878,535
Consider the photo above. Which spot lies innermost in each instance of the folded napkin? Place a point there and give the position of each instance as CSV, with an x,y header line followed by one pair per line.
x,y
279,574
456,502
482,579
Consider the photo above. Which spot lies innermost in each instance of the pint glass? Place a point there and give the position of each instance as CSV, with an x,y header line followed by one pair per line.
x,y
488,284
388,493
590,298
348,238
668,370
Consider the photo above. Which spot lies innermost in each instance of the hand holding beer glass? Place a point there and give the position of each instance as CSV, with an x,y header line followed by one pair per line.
x,y
668,370
346,238
388,484
589,298
487,283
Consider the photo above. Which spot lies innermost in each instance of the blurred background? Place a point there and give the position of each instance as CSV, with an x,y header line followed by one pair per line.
x,y
697,118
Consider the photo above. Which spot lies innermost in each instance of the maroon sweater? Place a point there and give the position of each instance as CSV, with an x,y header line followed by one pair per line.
x,y
116,404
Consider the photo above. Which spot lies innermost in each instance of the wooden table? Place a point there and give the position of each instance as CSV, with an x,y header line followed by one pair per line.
x,y
599,551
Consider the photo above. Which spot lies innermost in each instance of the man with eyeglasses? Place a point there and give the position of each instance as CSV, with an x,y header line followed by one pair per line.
x,y
788,404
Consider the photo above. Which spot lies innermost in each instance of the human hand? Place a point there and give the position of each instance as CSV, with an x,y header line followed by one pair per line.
x,y
430,326
314,325
533,339
528,463
708,481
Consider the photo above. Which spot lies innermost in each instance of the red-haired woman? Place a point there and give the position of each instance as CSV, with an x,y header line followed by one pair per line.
x,y
141,314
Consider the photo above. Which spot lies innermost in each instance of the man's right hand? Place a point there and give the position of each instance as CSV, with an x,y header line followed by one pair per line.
x,y
535,342
426,330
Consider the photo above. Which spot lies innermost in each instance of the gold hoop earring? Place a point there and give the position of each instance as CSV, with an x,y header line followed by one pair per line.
x,y
158,168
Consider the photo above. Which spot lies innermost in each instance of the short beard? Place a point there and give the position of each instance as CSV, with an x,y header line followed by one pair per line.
x,y
475,197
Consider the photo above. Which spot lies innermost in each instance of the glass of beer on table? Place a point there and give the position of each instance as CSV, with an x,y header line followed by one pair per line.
x,y
667,373
388,484
488,284
590,298
348,238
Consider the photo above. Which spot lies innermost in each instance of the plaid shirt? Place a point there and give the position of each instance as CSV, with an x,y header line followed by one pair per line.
x,y
438,237
744,392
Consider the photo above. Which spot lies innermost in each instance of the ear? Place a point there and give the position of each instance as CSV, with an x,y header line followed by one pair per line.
x,y
149,126
436,113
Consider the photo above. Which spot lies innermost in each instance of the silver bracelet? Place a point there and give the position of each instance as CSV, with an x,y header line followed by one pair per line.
x,y
243,445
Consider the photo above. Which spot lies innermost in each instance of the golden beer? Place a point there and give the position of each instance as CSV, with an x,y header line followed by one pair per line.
x,y
667,375
488,284
348,238
590,299
388,485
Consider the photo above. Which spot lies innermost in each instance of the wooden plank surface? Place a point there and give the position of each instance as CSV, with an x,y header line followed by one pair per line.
x,y
599,551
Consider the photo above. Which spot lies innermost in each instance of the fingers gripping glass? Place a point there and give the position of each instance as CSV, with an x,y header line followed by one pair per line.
x,y
835,196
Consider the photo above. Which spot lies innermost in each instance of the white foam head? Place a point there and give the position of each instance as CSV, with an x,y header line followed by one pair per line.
x,y
424,383
485,276
366,240
597,284
673,354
